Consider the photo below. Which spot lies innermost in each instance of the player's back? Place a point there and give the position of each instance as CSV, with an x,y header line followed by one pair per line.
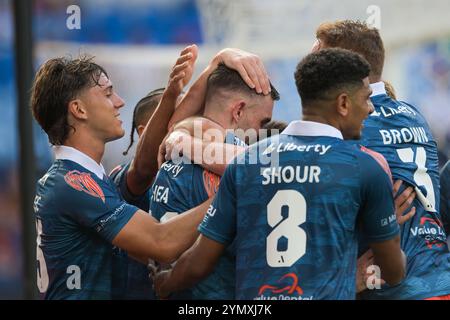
x,y
297,220
401,134
177,188
74,262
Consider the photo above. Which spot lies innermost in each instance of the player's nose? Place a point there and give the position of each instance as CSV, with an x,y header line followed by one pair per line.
x,y
119,103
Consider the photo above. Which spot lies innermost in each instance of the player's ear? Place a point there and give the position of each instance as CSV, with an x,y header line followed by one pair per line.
x,y
343,104
77,109
237,109
140,128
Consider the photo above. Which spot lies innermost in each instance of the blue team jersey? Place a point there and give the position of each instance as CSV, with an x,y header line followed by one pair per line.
x,y
77,216
445,196
183,186
295,224
139,285
400,133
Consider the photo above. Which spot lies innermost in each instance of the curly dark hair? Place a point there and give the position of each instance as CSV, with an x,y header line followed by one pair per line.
x,y
356,36
229,79
321,74
57,82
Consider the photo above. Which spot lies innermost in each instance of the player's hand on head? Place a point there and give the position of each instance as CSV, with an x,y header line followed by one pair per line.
x,y
249,66
182,70
176,144
159,282
403,201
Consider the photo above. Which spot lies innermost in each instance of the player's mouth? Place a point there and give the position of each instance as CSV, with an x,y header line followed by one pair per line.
x,y
117,116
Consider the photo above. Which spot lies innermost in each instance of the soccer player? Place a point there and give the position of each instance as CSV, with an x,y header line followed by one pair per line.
x,y
231,104
445,196
295,224
81,220
401,134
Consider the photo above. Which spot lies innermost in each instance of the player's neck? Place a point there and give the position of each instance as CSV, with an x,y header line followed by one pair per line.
x,y
216,118
319,119
374,79
93,148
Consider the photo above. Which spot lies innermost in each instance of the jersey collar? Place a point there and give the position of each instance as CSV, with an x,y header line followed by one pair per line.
x,y
378,88
72,154
310,128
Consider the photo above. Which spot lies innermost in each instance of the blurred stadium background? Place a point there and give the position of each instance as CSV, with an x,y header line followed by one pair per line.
x,y
137,41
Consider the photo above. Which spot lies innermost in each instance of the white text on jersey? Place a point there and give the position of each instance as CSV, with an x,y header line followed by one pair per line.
x,y
404,135
288,174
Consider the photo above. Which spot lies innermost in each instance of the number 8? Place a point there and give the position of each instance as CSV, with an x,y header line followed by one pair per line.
x,y
289,228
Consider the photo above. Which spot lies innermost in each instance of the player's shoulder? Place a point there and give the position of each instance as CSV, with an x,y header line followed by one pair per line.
x,y
119,170
74,183
372,160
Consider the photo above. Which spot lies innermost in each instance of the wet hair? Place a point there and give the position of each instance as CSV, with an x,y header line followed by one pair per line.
x,y
143,111
57,82
322,74
356,36
224,78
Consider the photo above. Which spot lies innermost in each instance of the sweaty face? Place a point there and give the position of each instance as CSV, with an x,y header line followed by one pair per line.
x,y
102,105
359,109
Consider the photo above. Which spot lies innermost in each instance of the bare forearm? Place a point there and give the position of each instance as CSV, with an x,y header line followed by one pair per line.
x,y
180,232
145,164
194,100
214,156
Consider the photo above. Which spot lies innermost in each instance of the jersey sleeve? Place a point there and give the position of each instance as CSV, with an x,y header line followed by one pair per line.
x,y
377,214
219,223
445,196
119,177
95,204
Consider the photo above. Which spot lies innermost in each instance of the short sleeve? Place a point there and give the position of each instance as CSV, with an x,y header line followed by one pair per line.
x,y
119,177
94,204
219,223
377,213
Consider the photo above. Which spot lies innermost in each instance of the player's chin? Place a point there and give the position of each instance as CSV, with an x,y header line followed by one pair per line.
x,y
117,134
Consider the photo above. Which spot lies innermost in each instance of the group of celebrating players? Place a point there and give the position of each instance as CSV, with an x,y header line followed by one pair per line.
x,y
221,202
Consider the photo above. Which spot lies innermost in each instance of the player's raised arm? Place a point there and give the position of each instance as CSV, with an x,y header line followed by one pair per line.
x,y
202,141
144,166
249,66
144,238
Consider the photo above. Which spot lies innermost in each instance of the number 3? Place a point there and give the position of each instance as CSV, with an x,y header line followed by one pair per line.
x,y
421,177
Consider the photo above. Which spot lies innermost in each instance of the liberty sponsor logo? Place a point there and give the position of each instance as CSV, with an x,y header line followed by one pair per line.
x,y
388,112
286,147
82,181
288,289
170,167
432,231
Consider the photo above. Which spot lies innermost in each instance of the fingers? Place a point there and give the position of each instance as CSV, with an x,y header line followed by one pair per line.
x,y
244,75
252,71
401,220
405,197
264,76
397,186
